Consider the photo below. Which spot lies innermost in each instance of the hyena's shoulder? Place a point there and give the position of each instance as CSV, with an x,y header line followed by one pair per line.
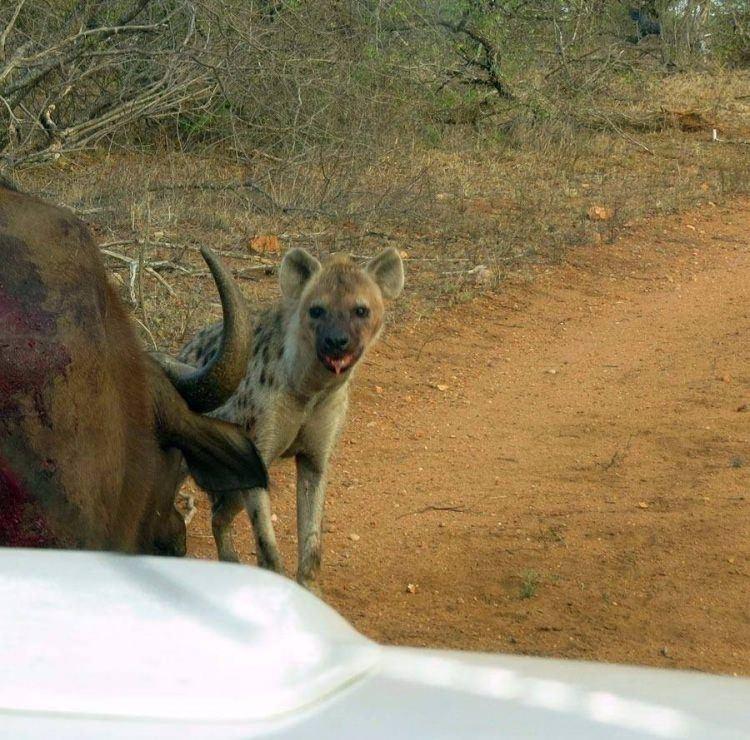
x,y
269,334
268,339
202,348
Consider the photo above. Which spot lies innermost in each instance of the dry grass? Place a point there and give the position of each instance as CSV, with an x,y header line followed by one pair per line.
x,y
494,197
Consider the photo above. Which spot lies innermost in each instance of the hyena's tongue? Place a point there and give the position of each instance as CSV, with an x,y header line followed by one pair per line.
x,y
340,364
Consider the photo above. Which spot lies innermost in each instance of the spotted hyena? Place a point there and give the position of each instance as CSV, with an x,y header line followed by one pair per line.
x,y
294,396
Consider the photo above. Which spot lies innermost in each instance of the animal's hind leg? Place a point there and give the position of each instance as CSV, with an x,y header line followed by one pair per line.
x,y
224,508
258,505
187,500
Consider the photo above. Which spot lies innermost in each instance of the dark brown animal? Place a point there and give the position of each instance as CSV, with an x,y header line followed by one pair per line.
x,y
92,430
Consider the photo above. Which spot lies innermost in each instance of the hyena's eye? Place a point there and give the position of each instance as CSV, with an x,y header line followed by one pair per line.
x,y
362,311
316,312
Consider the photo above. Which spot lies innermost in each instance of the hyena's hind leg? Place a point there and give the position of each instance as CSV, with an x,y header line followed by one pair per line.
x,y
258,504
224,508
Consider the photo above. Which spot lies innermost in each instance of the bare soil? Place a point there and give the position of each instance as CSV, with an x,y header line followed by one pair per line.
x,y
560,469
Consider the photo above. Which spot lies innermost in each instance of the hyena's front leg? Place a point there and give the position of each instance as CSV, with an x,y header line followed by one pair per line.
x,y
258,505
311,485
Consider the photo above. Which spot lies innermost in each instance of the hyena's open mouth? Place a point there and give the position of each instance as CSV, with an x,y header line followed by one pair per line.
x,y
341,363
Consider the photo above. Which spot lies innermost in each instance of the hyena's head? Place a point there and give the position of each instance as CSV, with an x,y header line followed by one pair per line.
x,y
339,304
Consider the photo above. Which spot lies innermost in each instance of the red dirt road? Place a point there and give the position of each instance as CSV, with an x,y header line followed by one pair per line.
x,y
561,469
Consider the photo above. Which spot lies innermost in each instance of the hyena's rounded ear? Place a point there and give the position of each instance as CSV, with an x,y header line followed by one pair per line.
x,y
297,267
387,270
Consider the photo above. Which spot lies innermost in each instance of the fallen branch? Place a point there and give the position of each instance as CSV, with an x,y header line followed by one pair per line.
x,y
625,135
178,246
137,266
457,509
246,273
148,331
170,289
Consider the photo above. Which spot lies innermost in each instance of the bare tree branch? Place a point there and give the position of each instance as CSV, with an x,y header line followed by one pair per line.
x,y
9,27
89,75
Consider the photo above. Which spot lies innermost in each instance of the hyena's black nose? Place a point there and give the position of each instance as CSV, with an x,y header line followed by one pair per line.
x,y
336,341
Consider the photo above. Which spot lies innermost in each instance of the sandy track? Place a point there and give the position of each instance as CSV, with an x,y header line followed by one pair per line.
x,y
580,488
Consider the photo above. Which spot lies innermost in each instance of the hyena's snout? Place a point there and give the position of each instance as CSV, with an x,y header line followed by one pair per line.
x,y
337,348
335,340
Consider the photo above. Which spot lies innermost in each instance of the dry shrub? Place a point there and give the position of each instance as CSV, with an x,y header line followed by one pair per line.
x,y
438,128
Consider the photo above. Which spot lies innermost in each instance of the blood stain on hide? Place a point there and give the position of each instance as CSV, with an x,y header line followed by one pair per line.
x,y
21,525
30,355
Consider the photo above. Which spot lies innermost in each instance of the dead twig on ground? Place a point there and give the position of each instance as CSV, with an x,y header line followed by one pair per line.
x,y
424,510
137,266
618,456
245,273
624,134
184,247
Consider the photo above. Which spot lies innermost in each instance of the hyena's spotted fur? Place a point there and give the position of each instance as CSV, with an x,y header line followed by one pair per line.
x,y
294,396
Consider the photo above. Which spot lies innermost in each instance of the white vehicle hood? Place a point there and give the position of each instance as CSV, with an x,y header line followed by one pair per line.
x,y
95,644
101,634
